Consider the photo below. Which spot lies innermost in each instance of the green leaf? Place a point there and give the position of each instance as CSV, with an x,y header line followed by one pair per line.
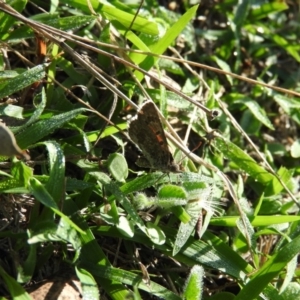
x,y
245,227
11,111
125,227
258,112
156,234
89,285
171,195
291,292
264,276
141,183
112,13
15,289
91,253
54,20
228,258
240,15
165,41
172,191
291,269
130,278
117,166
42,195
194,284
265,9
120,196
49,231
56,182
224,66
289,105
275,187
40,192
293,50
38,130
295,149
29,265
21,81
243,161
7,21
256,221
185,229
210,251
18,183
36,114
140,24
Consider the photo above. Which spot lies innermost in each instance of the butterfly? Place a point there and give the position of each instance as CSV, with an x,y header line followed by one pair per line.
x,y
147,132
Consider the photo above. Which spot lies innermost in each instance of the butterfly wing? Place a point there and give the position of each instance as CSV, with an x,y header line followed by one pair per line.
x,y
147,132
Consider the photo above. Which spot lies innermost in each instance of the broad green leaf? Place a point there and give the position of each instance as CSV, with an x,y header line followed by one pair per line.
x,y
241,12
141,183
264,276
165,41
293,50
275,187
290,273
265,9
123,200
62,232
289,105
258,112
55,21
224,66
42,195
185,229
155,234
7,21
56,182
125,227
21,81
295,149
15,289
291,292
11,111
243,161
29,264
88,283
112,13
130,278
117,167
40,129
171,195
18,182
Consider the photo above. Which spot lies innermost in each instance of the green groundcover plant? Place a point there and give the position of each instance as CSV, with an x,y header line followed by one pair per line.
x,y
76,200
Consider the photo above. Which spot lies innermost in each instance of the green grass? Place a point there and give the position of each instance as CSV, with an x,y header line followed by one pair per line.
x,y
224,228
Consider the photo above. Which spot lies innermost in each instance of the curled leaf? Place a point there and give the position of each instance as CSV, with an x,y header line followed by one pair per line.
x,y
9,145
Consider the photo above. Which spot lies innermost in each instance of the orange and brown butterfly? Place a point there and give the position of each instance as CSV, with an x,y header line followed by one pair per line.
x,y
147,132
